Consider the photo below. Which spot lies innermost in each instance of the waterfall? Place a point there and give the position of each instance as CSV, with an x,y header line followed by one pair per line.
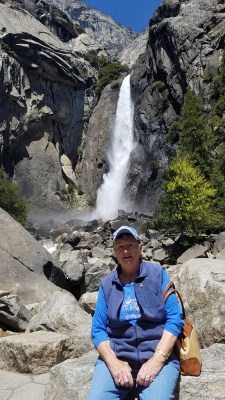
x,y
110,194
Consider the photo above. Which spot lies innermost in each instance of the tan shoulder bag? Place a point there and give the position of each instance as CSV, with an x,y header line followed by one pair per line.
x,y
187,346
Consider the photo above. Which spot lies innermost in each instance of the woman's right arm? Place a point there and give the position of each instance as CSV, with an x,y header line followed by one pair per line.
x,y
120,370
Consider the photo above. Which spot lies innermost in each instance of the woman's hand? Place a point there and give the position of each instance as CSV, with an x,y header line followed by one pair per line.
x,y
150,370
121,372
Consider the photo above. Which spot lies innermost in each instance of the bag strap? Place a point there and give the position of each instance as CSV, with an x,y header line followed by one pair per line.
x,y
166,294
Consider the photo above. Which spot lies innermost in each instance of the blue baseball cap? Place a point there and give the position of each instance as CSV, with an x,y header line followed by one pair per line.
x,y
125,229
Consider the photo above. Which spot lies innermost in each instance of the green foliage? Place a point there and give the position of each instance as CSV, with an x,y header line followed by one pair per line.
x,y
79,28
196,139
153,166
79,189
80,148
91,199
162,95
207,77
95,61
68,196
5,47
188,202
109,73
9,199
148,225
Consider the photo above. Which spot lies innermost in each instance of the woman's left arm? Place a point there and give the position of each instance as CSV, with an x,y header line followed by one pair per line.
x,y
173,326
152,367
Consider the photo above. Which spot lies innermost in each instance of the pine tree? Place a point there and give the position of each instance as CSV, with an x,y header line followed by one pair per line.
x,y
196,139
9,199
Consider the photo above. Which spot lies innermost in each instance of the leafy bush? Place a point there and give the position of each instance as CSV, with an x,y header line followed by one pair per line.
x,y
79,28
95,61
79,189
5,47
9,199
91,199
153,166
189,199
109,73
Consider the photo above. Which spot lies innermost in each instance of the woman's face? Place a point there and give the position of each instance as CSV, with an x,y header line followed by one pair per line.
x,y
127,251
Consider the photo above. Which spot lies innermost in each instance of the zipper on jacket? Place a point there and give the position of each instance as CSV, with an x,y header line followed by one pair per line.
x,y
135,329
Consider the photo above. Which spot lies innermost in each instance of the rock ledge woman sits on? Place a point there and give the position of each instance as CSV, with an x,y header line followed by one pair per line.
x,y
133,329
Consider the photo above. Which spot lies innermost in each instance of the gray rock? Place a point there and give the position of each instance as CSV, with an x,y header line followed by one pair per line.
x,y
35,353
201,283
36,128
16,315
152,234
221,255
197,251
87,44
72,378
26,267
88,302
98,252
130,54
63,314
95,274
211,383
68,171
159,255
74,266
112,35
219,244
35,307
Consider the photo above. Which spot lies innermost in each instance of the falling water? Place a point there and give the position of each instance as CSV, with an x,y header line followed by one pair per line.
x,y
110,195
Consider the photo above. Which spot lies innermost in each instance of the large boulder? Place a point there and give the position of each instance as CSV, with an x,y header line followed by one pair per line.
x,y
201,283
211,383
196,251
26,267
88,302
95,274
63,314
72,378
35,353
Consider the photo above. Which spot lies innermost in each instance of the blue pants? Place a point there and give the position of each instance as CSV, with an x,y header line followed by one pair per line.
x,y
104,388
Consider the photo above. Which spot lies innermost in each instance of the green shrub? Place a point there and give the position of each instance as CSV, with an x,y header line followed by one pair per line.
x,y
79,189
153,166
91,199
79,28
9,199
5,47
109,73
95,61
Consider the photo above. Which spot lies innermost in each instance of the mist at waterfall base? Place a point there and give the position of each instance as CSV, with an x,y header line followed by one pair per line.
x,y
110,197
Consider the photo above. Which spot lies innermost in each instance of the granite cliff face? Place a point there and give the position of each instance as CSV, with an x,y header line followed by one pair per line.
x,y
43,84
112,35
185,42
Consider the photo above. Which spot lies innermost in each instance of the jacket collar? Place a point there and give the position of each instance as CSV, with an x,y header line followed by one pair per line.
x,y
143,272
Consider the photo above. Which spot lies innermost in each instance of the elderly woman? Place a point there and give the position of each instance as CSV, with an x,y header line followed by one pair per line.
x,y
133,329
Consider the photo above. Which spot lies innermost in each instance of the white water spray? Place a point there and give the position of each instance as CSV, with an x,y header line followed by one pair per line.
x,y
110,195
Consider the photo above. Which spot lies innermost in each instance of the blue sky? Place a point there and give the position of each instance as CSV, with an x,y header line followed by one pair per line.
x,y
130,13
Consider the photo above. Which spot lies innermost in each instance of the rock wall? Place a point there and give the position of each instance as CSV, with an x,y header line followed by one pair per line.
x,y
185,42
111,34
94,162
42,97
